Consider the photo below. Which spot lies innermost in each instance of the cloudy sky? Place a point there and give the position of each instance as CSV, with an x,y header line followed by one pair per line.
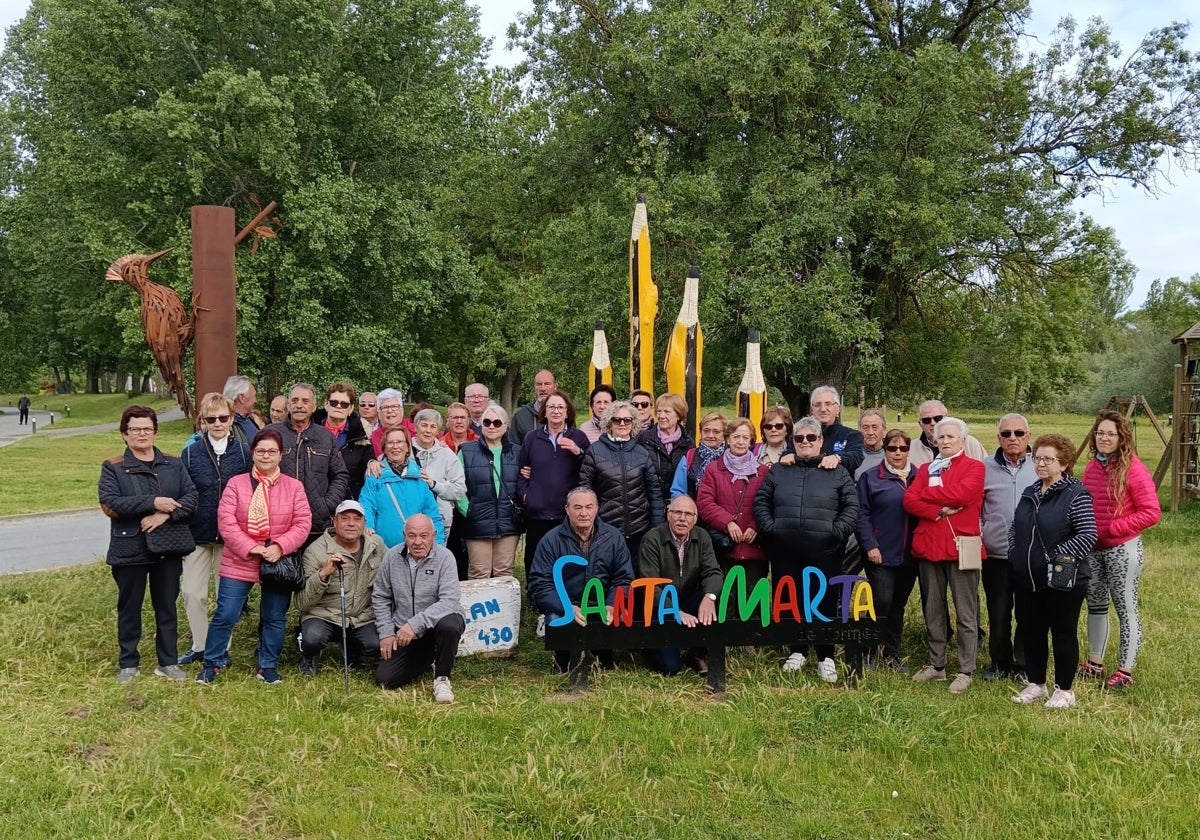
x,y
1158,232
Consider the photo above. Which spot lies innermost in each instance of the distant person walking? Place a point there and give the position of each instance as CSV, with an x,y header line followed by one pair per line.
x,y
23,409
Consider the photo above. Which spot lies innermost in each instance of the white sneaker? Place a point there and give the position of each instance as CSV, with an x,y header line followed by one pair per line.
x,y
794,662
1061,699
1029,693
827,671
541,627
442,693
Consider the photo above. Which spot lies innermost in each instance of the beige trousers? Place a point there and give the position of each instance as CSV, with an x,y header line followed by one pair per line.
x,y
199,568
491,558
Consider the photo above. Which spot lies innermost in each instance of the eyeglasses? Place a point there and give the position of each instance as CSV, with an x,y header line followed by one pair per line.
x,y
623,421
389,408
490,423
1041,459
1007,433
365,404
1107,434
217,418
824,405
937,418
771,427
897,448
140,430
266,451
686,514
809,438
338,403
641,403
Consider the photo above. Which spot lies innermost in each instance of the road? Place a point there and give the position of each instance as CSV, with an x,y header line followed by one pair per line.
x,y
52,540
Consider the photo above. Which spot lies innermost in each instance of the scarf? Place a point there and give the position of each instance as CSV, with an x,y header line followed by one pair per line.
x,y
1102,458
742,466
258,519
902,473
669,441
705,455
940,463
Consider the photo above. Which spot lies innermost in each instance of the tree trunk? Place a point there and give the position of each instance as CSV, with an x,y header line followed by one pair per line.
x,y
509,386
92,372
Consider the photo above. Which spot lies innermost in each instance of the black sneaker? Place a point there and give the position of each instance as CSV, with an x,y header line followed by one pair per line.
x,y
208,674
992,674
270,676
309,665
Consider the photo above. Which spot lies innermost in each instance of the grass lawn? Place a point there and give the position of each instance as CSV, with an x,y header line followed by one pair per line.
x,y
779,756
86,409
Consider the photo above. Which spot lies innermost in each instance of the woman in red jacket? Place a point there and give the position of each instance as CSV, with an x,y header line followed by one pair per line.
x,y
726,502
946,497
262,516
1126,503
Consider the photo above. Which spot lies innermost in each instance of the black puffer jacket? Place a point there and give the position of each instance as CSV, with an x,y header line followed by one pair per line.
x,y
807,510
356,451
210,473
665,464
489,516
622,475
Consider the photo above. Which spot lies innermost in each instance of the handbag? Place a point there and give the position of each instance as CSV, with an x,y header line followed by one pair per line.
x,y
970,551
722,542
286,573
1061,572
171,538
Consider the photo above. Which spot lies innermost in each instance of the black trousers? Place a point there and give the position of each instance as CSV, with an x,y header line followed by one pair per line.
x,y
1006,650
891,587
1050,611
791,563
437,647
457,543
535,529
316,633
163,577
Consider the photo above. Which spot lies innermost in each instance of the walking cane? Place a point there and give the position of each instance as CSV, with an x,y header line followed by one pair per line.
x,y
345,650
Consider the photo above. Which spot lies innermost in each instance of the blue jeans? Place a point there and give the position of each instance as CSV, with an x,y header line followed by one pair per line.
x,y
231,597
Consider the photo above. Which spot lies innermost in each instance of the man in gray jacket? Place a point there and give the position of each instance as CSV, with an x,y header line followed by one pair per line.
x,y
418,610
1006,474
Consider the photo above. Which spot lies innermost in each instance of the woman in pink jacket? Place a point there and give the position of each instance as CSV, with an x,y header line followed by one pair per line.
x,y
1126,503
262,516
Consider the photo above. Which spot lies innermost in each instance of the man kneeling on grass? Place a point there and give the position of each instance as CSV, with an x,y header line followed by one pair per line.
x,y
342,551
418,610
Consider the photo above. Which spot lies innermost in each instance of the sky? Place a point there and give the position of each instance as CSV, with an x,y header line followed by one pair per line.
x,y
1158,232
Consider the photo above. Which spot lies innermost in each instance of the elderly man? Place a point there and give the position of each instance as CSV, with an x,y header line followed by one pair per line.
x,y
925,448
872,427
840,446
278,409
240,391
310,455
599,400
524,419
339,417
1006,474
346,552
418,610
368,411
391,416
477,398
643,401
584,535
681,552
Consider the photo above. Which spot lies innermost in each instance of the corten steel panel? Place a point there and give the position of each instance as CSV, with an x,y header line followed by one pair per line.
x,y
214,298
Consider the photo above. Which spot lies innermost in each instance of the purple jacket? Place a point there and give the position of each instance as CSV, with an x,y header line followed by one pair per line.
x,y
882,521
554,472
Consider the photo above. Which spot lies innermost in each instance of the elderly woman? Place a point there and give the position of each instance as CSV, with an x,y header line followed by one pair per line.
x,y
1053,519
726,503
349,432
211,460
398,492
622,475
143,492
492,466
946,497
262,516
885,532
550,458
667,441
458,427
776,427
807,513
1126,503
440,467
690,470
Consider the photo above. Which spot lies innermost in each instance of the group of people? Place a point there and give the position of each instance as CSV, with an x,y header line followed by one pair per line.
x,y
399,508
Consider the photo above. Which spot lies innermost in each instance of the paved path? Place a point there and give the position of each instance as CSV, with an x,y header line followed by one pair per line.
x,y
36,542
11,431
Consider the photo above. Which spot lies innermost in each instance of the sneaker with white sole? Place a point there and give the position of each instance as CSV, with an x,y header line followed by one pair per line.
x,y
1061,699
930,674
126,674
1030,693
171,672
442,692
960,683
794,662
827,670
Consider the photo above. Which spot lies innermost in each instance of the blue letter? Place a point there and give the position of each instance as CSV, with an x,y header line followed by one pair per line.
x,y
665,609
559,587
812,601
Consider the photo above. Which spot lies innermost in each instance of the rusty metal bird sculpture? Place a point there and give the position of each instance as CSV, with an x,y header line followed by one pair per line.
x,y
168,327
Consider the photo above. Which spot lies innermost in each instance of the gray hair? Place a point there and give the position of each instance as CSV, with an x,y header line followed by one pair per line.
x,y
870,412
951,421
235,386
575,491
825,389
486,392
1012,416
304,386
428,414
929,404
811,423
388,394
606,417
498,410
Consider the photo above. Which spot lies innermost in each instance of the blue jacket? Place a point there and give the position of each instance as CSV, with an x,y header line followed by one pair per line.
x,y
554,473
490,516
607,559
411,493
837,439
883,522
210,473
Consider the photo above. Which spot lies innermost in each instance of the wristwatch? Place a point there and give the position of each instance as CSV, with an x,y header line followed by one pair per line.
x,y
710,596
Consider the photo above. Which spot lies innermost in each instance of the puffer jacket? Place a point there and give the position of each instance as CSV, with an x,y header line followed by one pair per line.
x,y
411,493
312,458
490,516
323,600
665,463
803,508
1140,511
355,445
961,487
622,476
127,489
290,518
210,473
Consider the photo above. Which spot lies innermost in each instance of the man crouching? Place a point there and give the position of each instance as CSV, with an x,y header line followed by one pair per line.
x,y
418,610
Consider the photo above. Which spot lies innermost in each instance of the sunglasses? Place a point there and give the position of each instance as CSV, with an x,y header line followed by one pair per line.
x,y
1007,433
217,418
937,418
897,448
641,404
338,403
490,423
774,426
809,438
623,421
366,405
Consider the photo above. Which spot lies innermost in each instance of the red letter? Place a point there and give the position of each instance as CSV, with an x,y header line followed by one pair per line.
x,y
785,586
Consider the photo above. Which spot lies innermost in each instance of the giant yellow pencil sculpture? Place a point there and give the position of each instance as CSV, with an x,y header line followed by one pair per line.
x,y
751,399
599,368
685,351
643,303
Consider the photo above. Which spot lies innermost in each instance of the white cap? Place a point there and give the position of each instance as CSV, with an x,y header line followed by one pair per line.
x,y
350,504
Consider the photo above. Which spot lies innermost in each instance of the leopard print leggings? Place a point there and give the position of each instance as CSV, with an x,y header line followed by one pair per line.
x,y
1115,573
